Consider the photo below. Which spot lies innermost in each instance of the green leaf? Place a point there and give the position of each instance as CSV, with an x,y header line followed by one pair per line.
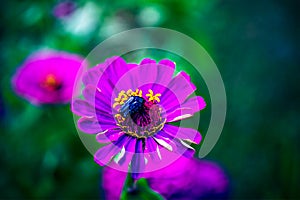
x,y
139,190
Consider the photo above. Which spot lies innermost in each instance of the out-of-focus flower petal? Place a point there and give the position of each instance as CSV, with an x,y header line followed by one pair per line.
x,y
64,9
184,179
47,77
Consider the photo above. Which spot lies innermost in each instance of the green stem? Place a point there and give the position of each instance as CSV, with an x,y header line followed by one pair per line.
x,y
129,186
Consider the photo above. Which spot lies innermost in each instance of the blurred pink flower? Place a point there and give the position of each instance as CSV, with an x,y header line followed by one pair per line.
x,y
47,77
184,179
64,9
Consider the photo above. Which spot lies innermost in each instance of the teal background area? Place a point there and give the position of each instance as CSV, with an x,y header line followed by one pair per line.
x,y
255,45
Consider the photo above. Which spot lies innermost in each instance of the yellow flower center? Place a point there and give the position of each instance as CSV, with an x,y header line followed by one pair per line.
x,y
51,83
138,116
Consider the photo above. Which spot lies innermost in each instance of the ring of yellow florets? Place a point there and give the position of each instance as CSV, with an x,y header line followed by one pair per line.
x,y
139,116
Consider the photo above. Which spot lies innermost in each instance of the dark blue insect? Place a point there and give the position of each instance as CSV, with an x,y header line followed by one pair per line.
x,y
133,105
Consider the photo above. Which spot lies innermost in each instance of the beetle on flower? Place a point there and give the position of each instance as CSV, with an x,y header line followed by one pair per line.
x,y
130,107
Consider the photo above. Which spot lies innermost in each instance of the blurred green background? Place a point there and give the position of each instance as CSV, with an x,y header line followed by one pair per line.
x,y
253,43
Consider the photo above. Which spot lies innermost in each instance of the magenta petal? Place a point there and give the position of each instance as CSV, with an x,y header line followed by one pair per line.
x,y
147,61
130,146
83,108
109,136
166,70
138,165
89,93
92,75
116,68
129,152
197,103
168,99
91,125
155,77
188,134
97,99
175,144
106,86
129,80
138,160
187,152
168,63
147,74
152,149
103,103
105,154
179,114
186,110
181,86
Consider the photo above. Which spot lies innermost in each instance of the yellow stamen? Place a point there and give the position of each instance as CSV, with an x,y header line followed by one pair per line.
x,y
119,118
123,96
137,93
153,97
129,92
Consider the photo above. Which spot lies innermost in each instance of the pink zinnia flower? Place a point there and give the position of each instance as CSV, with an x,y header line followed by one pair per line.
x,y
182,180
47,77
130,106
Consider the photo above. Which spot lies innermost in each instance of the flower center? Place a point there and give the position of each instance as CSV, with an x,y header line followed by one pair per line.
x,y
51,83
137,116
